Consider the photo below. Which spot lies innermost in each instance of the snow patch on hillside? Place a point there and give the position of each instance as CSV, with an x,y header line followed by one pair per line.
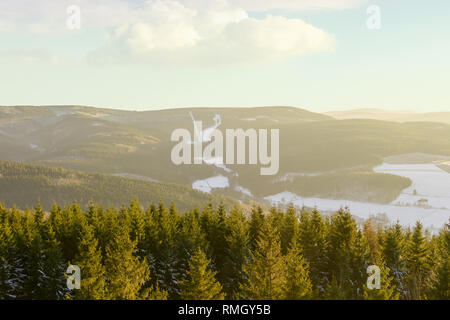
x,y
206,185
427,200
243,190
35,147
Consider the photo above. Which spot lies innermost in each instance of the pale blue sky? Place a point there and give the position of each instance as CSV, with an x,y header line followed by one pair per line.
x,y
405,65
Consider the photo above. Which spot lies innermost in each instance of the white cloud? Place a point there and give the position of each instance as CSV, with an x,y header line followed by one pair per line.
x,y
264,5
167,31
178,31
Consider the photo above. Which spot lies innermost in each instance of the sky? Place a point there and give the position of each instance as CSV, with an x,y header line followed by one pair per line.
x,y
321,55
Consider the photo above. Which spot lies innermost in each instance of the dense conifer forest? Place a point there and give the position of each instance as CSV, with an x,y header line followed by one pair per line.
x,y
23,184
215,253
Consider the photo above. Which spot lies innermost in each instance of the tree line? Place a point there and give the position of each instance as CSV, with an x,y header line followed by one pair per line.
x,y
213,253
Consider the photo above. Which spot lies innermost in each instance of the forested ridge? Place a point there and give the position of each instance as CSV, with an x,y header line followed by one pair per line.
x,y
215,253
23,184
329,158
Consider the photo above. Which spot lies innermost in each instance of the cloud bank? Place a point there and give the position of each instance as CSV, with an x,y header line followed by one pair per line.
x,y
180,31
170,32
265,5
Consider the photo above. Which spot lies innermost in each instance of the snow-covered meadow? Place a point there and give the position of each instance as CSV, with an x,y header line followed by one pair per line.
x,y
427,200
206,185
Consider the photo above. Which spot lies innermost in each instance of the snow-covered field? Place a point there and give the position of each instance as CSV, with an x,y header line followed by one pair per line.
x,y
217,182
428,182
427,200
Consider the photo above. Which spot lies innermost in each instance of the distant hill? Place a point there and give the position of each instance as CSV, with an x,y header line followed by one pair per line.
x,y
137,145
23,185
397,116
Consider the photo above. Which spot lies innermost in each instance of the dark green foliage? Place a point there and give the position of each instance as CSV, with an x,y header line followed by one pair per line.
x,y
22,184
200,282
441,283
266,268
161,253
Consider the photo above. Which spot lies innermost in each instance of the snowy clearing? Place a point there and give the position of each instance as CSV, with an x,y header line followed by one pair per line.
x,y
206,185
427,200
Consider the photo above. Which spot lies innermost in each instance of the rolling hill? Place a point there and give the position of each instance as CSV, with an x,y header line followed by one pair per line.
x,y
315,148
396,116
24,185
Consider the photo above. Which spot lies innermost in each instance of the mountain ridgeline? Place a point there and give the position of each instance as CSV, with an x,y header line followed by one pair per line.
x,y
327,157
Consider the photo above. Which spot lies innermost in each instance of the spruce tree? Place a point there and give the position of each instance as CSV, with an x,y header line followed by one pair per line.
x,y
371,236
200,282
313,244
218,243
289,230
11,269
387,289
125,273
44,267
163,256
393,251
441,283
418,264
89,259
266,269
256,224
345,248
238,252
298,284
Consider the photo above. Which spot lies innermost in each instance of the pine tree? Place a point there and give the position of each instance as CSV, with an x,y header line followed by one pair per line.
x,y
313,244
238,252
136,221
360,260
371,236
69,234
418,264
441,284
163,253
393,251
218,243
155,293
11,270
45,268
298,284
89,260
266,269
125,273
200,282
345,247
189,238
256,224
289,230
54,266
387,289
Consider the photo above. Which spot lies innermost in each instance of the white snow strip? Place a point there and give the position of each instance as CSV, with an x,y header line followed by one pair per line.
x,y
243,190
206,185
